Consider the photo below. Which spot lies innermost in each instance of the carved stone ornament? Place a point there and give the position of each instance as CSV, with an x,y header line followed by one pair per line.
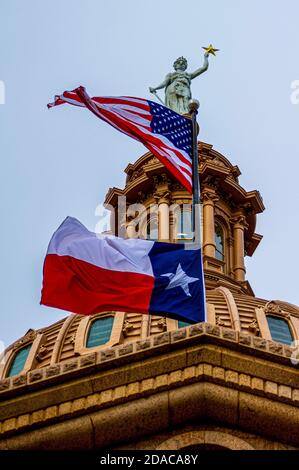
x,y
177,187
219,322
152,161
254,327
73,338
162,324
162,196
273,308
208,196
218,162
136,174
127,327
42,352
28,338
161,180
241,221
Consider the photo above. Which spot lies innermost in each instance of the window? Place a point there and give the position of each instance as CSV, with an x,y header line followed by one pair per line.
x,y
99,332
152,230
183,324
184,225
219,242
19,360
280,330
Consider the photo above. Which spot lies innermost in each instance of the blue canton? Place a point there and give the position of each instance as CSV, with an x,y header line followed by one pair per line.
x,y
179,283
173,126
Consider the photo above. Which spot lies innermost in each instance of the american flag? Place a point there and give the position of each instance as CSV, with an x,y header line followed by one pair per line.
x,y
167,134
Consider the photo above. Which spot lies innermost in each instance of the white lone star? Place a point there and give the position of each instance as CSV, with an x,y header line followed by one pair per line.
x,y
180,279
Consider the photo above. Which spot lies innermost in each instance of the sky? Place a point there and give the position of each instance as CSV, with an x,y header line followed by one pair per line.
x,y
62,161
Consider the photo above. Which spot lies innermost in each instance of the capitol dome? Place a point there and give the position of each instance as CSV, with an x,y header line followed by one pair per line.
x,y
85,375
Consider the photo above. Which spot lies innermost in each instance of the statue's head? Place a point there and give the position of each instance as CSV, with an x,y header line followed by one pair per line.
x,y
180,64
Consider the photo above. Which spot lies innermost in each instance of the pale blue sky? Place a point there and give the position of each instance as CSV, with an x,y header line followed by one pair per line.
x,y
61,162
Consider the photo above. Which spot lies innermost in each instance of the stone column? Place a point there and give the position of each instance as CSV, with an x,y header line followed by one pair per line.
x,y
131,229
230,258
163,211
209,247
239,225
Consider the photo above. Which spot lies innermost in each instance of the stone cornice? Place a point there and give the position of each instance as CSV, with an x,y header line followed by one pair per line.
x,y
143,349
124,393
216,361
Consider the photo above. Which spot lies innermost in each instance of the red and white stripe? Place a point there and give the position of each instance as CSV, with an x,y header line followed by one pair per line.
x,y
132,117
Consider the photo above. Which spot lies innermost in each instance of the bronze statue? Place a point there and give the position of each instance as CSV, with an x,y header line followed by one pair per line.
x,y
178,84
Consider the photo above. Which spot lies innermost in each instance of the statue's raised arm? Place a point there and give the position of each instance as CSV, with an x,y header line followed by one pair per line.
x,y
202,69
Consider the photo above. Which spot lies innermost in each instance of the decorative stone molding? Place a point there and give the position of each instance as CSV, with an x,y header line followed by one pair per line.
x,y
61,337
163,340
29,337
31,360
162,197
136,174
152,161
161,180
73,338
273,308
127,327
42,352
177,187
232,307
162,324
254,327
204,437
202,380
219,321
209,197
240,221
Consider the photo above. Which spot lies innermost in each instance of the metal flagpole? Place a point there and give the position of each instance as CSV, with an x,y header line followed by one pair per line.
x,y
193,108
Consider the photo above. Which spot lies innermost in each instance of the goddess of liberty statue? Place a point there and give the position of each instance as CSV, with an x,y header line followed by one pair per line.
x,y
177,84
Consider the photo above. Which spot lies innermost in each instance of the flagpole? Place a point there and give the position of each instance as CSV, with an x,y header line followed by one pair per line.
x,y
193,109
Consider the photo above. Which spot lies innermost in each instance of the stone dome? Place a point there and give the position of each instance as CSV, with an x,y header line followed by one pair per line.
x,y
61,385
231,303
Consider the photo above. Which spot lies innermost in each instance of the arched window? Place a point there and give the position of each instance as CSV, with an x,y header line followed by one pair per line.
x,y
18,362
219,242
99,332
152,229
280,330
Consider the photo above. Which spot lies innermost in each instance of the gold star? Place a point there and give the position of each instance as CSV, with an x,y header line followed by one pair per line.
x,y
211,49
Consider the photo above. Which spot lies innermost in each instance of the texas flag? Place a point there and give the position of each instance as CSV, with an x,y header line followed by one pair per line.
x,y
87,273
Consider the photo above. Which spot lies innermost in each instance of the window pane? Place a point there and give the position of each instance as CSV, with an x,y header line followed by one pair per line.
x,y
219,243
183,324
184,223
99,332
280,330
18,362
152,231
